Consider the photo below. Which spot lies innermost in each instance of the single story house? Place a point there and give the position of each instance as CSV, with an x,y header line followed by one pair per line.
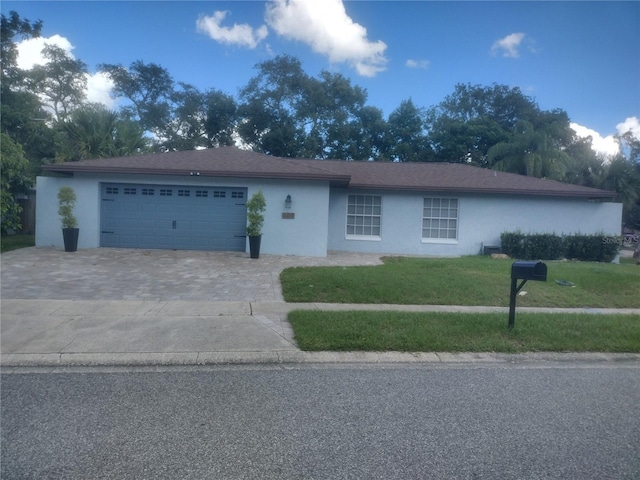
x,y
196,200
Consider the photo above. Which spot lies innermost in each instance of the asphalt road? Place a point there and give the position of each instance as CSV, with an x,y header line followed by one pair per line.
x,y
470,421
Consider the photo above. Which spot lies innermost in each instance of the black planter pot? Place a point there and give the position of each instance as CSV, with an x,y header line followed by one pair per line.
x,y
254,246
70,236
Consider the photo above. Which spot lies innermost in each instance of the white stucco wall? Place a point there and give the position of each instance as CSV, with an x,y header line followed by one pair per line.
x,y
320,216
305,234
87,211
481,221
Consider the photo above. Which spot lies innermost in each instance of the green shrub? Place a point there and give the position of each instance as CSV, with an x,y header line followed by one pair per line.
x,y
544,246
591,248
587,248
256,207
67,201
513,244
539,246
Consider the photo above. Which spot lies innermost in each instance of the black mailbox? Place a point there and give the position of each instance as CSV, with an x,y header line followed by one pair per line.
x,y
529,271
523,271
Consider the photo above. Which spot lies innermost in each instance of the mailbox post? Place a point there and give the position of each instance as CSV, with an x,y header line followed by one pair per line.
x,y
523,271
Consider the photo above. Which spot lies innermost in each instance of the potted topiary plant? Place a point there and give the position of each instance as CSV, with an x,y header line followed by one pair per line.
x,y
256,207
70,230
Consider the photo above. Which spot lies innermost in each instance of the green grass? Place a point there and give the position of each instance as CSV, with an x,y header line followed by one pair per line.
x,y
14,242
463,332
473,280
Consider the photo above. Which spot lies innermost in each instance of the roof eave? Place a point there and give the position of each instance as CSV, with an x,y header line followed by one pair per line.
x,y
595,195
70,169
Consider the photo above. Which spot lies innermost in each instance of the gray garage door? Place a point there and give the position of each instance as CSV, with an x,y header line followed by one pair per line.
x,y
173,217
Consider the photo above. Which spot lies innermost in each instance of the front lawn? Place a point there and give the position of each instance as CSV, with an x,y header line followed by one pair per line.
x,y
14,242
463,332
474,280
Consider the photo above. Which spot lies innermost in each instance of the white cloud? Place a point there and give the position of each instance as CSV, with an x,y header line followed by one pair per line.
x,y
328,30
99,86
243,35
411,63
631,124
30,50
509,45
607,146
30,55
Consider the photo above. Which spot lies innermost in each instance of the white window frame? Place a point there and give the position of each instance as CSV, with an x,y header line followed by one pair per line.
x,y
364,212
435,215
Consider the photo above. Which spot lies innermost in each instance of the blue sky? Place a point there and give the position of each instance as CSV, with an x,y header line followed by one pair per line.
x,y
582,57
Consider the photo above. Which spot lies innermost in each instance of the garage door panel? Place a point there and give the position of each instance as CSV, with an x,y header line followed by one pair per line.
x,y
176,217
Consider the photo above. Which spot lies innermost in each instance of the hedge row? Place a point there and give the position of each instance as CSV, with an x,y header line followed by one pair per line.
x,y
547,246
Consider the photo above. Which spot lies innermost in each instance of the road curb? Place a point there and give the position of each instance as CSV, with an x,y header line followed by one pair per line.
x,y
293,357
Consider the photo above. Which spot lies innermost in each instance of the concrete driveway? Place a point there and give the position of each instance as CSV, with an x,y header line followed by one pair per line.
x,y
131,274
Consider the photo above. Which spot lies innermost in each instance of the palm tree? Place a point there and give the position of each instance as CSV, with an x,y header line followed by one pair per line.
x,y
94,131
529,152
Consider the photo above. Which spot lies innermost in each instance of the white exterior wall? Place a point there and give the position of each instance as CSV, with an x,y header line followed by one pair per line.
x,y
481,220
304,235
87,211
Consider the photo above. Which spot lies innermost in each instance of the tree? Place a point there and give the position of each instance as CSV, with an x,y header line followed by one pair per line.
x,y
97,132
15,178
408,142
200,119
529,152
466,124
620,175
584,167
630,145
370,139
11,27
62,81
269,106
22,116
221,118
149,87
500,103
331,115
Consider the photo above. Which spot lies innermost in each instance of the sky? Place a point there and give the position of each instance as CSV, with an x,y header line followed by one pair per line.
x,y
579,56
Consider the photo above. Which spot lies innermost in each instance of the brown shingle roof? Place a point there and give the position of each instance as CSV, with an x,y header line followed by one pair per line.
x,y
234,162
213,162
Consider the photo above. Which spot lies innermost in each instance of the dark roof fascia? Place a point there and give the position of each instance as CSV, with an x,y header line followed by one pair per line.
x,y
598,194
71,169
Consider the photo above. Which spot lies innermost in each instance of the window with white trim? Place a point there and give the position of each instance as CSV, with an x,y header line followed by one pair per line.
x,y
364,213
440,219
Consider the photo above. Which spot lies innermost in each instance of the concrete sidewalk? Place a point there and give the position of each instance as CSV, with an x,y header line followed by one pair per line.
x,y
58,333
